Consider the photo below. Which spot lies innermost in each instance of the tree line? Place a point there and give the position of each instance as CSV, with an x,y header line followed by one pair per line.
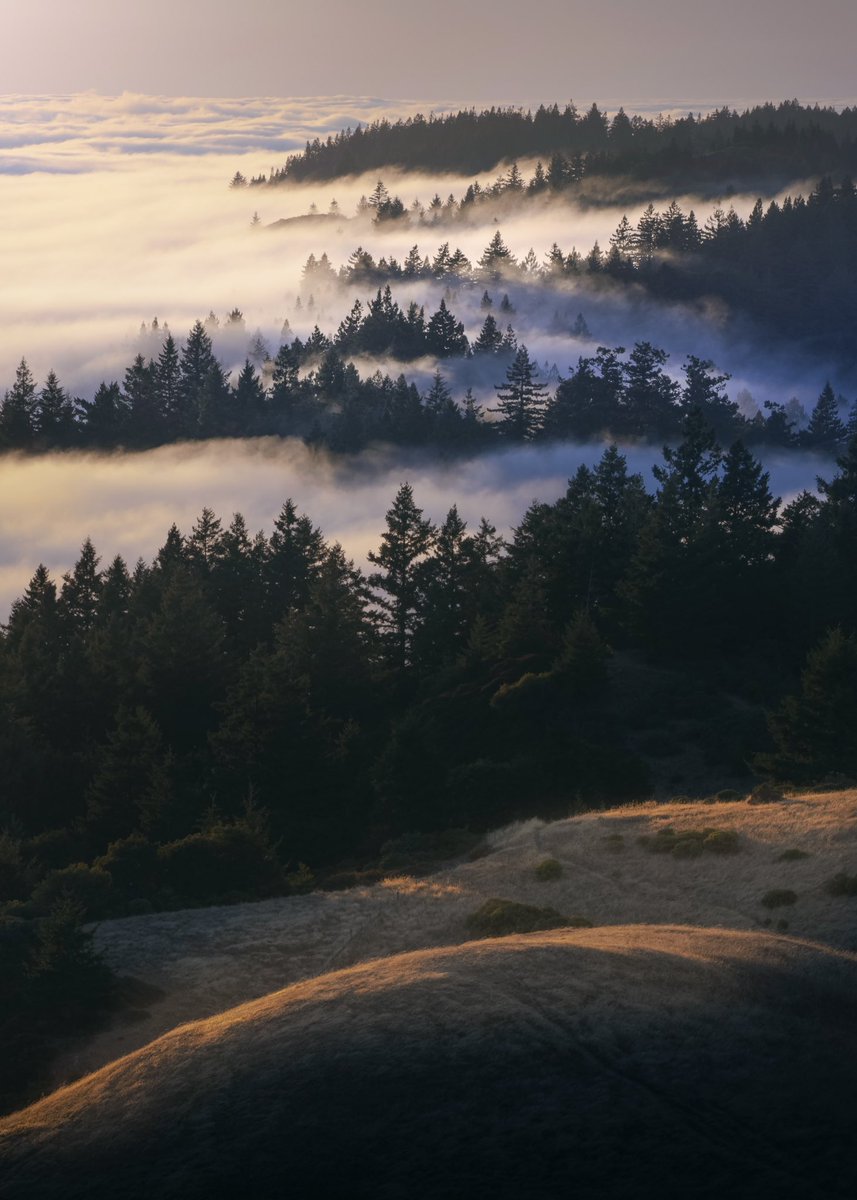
x,y
790,266
312,390
783,140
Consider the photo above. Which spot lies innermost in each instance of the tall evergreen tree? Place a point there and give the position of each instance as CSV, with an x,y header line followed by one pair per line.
x,y
18,412
825,432
521,399
408,538
54,414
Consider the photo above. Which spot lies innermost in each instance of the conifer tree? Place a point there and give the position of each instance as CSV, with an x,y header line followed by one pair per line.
x,y
54,414
18,412
445,336
521,399
825,432
408,538
490,338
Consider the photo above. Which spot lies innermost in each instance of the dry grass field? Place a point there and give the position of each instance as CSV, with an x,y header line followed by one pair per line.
x,y
208,960
697,1033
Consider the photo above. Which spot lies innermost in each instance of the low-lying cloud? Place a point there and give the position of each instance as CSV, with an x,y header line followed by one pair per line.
x,y
127,502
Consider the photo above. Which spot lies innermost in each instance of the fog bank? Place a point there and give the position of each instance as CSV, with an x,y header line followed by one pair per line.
x,y
127,502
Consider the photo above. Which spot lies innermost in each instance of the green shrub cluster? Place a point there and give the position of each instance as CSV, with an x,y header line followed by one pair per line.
x,y
778,897
793,854
548,870
842,884
497,918
691,843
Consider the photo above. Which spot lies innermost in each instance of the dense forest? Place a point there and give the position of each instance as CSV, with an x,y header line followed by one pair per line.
x,y
247,712
312,390
777,142
790,267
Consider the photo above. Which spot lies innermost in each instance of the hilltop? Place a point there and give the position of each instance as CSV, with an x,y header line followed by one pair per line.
x,y
630,1060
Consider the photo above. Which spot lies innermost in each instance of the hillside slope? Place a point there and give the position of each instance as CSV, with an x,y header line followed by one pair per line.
x,y
208,960
644,1061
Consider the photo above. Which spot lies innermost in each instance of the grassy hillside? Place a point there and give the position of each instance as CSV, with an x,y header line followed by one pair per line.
x,y
208,960
629,1060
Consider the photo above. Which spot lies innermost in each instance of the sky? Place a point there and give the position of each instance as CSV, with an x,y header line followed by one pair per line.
x,y
500,50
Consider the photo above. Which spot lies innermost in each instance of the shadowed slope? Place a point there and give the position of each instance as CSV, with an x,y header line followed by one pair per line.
x,y
208,960
623,1061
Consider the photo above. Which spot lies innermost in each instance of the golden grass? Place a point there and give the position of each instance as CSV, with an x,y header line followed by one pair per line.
x,y
653,1040
209,960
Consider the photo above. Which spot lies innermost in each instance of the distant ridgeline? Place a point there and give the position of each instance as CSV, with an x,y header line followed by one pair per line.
x,y
783,139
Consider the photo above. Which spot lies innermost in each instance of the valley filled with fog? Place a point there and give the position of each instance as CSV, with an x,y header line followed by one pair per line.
x,y
117,212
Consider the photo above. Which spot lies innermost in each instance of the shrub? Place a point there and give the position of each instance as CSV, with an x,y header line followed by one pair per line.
x,y
548,870
778,897
222,863
15,875
691,843
727,794
496,918
132,864
89,888
792,855
614,842
721,841
766,793
842,885
687,847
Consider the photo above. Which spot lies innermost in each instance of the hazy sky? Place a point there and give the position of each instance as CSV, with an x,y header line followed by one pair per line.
x,y
507,50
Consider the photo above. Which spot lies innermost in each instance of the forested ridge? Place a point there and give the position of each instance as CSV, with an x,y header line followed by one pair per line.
x,y
196,729
786,138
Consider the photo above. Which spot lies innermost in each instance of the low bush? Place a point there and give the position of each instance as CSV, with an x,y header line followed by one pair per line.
x,y
88,888
766,793
497,918
792,855
842,885
691,843
548,870
221,864
778,897
614,842
132,864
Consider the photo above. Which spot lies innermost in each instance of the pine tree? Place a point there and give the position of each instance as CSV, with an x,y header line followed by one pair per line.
x,y
826,431
296,552
18,412
496,258
106,416
703,389
248,402
168,384
445,336
521,399
81,591
145,424
130,788
815,732
408,539
490,338
649,404
54,414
